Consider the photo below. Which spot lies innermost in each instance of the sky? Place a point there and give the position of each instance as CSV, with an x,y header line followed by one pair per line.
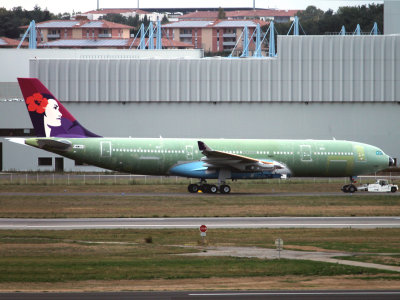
x,y
60,6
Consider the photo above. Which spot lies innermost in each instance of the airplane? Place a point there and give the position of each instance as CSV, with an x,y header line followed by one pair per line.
x,y
222,159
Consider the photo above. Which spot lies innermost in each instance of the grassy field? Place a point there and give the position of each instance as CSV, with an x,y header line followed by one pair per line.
x,y
98,260
80,255
198,205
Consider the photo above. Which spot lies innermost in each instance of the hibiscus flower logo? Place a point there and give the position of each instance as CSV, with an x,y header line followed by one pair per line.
x,y
37,103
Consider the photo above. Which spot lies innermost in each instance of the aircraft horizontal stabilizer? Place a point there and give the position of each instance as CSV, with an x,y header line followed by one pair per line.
x,y
50,144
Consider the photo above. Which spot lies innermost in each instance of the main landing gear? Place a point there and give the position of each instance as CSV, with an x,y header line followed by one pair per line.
x,y
350,188
204,187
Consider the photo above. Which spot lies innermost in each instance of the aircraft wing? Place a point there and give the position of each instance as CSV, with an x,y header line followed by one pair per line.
x,y
220,159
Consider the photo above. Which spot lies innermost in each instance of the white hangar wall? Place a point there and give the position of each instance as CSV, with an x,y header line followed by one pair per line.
x,y
16,61
319,87
307,69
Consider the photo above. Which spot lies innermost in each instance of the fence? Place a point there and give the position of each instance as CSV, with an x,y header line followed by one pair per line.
x,y
122,179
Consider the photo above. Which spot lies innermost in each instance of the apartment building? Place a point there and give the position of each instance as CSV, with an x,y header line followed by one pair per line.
x,y
275,15
81,29
126,12
213,36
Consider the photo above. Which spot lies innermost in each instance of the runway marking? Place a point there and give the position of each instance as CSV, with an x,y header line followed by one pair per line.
x,y
294,293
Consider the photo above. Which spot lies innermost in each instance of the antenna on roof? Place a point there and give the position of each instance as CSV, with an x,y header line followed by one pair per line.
x,y
98,6
254,4
138,4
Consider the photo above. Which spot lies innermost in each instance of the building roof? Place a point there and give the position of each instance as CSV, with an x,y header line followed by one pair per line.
x,y
103,43
215,23
200,15
86,43
57,24
79,24
239,23
166,43
188,24
262,13
104,11
210,15
7,42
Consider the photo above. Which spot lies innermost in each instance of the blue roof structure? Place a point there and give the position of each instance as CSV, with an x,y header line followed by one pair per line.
x,y
87,43
94,24
189,24
239,23
58,24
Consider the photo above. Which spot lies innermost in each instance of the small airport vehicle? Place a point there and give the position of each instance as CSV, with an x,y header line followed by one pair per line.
x,y
380,186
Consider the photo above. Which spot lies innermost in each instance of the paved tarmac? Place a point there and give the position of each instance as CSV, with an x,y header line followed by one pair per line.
x,y
211,295
212,223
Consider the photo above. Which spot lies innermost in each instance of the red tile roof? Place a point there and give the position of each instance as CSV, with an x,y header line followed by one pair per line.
x,y
107,24
262,13
79,24
215,23
7,42
109,43
200,15
166,43
210,15
116,11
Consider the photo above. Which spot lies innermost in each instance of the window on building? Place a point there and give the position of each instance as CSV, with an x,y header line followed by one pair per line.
x,y
17,132
45,161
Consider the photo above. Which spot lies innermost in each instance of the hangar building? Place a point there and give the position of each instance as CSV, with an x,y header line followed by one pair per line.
x,y
318,87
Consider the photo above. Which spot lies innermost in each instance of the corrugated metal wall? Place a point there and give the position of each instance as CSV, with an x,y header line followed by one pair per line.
x,y
307,69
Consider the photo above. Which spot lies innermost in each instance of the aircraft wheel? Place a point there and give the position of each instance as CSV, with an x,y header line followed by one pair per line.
x,y
393,189
193,188
352,189
205,188
225,189
345,188
213,189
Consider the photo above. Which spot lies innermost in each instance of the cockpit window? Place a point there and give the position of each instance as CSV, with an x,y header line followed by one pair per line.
x,y
379,152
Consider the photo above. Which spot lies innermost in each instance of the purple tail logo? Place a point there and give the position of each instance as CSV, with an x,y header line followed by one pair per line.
x,y
49,117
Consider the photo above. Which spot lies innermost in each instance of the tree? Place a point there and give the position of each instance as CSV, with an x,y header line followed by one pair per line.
x,y
164,20
221,13
11,20
116,18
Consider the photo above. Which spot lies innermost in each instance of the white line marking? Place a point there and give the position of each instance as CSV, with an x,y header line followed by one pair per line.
x,y
296,293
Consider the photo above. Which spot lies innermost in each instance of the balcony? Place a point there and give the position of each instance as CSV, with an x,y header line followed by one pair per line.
x,y
229,43
104,35
229,35
185,35
53,36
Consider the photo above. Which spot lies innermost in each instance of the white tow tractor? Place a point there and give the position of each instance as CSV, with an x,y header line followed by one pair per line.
x,y
380,186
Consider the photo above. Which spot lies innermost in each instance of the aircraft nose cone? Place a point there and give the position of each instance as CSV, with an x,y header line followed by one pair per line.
x,y
391,162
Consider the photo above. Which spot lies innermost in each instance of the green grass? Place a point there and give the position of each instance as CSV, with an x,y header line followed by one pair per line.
x,y
199,205
347,240
60,256
124,267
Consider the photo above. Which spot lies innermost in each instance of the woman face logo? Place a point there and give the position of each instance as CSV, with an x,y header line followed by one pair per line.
x,y
52,114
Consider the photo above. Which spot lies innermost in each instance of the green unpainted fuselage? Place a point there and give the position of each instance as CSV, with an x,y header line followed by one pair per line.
x,y
317,158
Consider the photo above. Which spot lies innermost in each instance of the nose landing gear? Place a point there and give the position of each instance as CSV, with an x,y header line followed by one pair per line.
x,y
350,188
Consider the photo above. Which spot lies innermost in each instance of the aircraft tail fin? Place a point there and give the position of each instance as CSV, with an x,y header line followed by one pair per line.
x,y
49,117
